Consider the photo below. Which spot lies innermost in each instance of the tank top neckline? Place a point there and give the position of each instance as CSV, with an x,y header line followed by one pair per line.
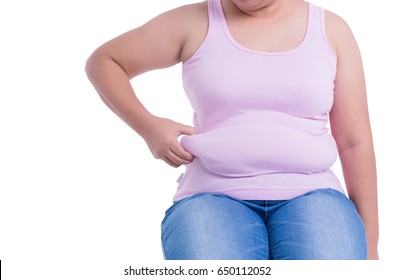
x,y
232,40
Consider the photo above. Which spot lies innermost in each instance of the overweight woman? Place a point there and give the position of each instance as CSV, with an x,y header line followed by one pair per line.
x,y
263,77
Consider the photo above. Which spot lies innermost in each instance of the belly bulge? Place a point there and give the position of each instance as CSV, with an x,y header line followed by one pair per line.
x,y
256,149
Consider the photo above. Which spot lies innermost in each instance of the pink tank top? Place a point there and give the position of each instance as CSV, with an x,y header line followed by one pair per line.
x,y
261,117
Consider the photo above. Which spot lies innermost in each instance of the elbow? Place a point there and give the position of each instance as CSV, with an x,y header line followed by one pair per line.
x,y
101,61
96,70
91,64
96,60
88,68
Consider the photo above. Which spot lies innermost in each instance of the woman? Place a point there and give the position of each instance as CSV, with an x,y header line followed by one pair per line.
x,y
263,77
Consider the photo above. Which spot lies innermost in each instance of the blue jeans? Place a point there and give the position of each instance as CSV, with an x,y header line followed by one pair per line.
x,y
321,224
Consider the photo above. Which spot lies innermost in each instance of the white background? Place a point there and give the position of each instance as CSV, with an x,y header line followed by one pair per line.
x,y
80,194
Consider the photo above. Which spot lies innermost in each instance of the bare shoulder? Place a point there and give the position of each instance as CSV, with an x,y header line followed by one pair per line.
x,y
184,16
159,43
194,21
186,24
195,10
338,32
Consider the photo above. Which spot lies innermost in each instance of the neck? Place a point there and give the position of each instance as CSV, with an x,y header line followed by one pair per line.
x,y
259,8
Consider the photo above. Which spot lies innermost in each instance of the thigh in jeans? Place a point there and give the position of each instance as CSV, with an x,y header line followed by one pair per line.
x,y
322,224
213,226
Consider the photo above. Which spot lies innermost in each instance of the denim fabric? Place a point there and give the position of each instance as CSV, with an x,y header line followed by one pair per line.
x,y
321,224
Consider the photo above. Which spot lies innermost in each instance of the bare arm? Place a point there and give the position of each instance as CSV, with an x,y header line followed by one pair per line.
x,y
157,44
351,129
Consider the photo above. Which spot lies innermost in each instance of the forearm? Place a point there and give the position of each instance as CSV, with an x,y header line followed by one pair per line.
x,y
113,85
114,88
359,168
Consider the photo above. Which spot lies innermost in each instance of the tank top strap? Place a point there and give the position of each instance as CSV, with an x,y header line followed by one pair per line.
x,y
215,10
316,25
